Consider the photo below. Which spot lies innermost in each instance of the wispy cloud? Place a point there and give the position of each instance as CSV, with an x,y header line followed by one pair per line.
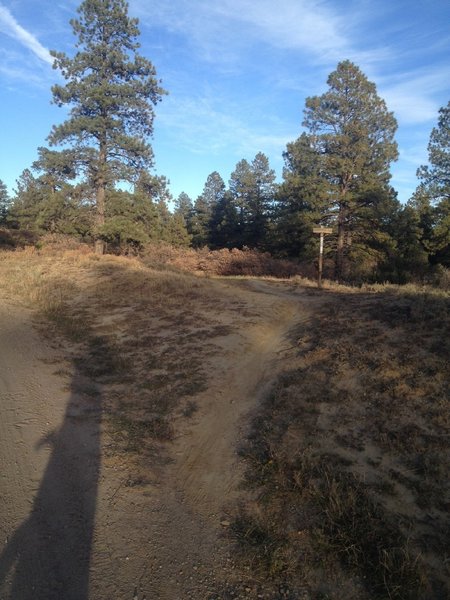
x,y
221,30
204,128
13,29
413,95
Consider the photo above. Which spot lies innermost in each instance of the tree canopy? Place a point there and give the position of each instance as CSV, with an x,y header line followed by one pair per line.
x,y
351,133
432,197
111,91
336,173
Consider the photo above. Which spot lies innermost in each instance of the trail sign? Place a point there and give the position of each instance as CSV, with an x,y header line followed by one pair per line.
x,y
322,231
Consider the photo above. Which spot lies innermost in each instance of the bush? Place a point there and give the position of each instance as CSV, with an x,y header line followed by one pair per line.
x,y
223,262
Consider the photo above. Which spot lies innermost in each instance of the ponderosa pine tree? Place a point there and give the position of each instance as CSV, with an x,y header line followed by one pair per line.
x,y
47,203
4,202
111,91
352,134
184,207
204,206
252,186
436,175
301,202
224,223
432,197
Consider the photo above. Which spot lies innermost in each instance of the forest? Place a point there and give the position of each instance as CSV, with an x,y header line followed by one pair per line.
x,y
96,182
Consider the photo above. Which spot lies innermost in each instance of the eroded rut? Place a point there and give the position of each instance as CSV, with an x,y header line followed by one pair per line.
x,y
71,527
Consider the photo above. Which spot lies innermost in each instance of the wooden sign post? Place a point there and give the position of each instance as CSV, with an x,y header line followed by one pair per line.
x,y
322,231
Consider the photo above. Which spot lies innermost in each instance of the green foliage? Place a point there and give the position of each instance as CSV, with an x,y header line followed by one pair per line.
x,y
111,91
4,203
301,202
252,187
224,223
201,219
432,197
184,207
42,205
129,217
351,141
436,175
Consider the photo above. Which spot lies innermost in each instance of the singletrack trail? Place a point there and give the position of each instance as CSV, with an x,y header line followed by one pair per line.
x,y
70,524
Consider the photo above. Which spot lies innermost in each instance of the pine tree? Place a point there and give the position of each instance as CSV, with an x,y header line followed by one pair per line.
x,y
301,202
432,197
224,223
204,206
4,203
352,134
436,176
47,203
184,207
253,189
241,185
111,91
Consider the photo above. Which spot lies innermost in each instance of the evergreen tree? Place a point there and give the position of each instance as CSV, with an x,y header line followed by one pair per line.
x,y
352,134
260,200
130,221
48,201
199,225
241,185
4,203
111,91
432,197
224,223
301,202
436,175
213,190
168,227
184,208
253,189
204,206
44,205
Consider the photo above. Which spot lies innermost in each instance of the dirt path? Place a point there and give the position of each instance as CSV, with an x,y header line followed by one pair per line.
x,y
67,516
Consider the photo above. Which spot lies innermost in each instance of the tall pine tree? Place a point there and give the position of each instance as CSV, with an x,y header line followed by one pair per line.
x,y
432,197
111,91
352,135
252,186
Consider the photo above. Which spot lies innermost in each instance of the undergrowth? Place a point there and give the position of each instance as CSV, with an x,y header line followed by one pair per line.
x,y
140,334
348,458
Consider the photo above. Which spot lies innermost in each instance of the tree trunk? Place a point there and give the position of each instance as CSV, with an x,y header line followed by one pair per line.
x,y
100,218
339,264
100,200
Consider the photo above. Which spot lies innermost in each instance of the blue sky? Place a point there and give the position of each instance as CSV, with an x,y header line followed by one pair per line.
x,y
238,73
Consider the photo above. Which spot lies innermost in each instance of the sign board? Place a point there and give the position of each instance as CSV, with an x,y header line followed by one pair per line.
x,y
322,230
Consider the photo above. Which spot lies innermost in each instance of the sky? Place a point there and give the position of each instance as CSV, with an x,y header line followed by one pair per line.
x,y
238,73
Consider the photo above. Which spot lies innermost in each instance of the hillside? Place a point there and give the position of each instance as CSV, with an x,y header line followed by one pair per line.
x,y
167,434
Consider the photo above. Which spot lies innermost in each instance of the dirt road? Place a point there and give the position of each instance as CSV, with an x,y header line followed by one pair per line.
x,y
70,525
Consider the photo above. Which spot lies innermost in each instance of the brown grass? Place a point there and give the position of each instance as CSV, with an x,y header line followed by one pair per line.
x,y
348,459
220,262
140,333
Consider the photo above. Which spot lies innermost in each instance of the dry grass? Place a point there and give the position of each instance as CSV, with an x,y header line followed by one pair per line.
x,y
140,334
220,262
348,459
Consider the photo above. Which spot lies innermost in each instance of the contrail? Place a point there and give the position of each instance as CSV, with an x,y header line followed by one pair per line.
x,y
11,27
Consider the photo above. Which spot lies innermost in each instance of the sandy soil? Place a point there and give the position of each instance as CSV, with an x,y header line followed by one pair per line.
x,y
71,525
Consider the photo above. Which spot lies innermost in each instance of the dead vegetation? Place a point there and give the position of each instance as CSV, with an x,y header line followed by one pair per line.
x,y
224,262
141,334
348,459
